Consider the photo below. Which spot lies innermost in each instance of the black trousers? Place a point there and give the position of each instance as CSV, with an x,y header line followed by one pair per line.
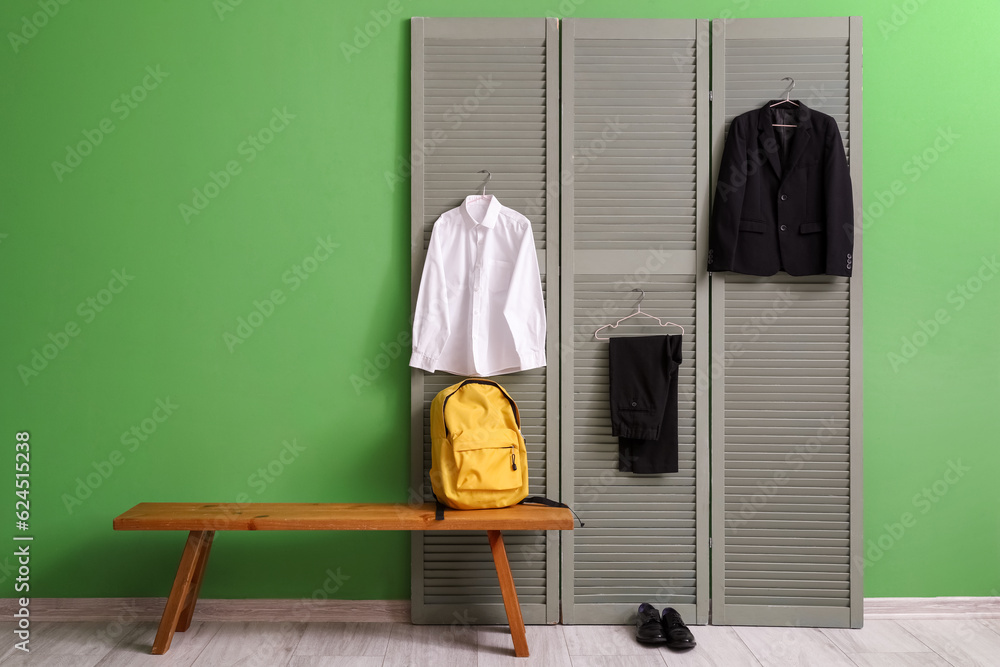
x,y
643,388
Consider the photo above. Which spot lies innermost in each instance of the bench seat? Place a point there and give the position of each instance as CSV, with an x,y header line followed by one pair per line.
x,y
202,520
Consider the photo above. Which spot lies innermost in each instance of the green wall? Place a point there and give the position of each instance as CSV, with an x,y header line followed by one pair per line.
x,y
301,226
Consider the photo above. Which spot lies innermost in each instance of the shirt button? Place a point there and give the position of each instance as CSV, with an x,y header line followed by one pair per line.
x,y
783,227
633,404
784,197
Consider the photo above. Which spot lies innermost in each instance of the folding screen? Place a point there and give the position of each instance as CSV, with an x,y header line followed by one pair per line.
x,y
783,380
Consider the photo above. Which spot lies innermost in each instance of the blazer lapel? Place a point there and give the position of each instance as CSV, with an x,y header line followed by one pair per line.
x,y
767,140
802,138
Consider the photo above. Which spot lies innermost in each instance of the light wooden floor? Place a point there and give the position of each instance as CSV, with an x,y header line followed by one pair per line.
x,y
881,643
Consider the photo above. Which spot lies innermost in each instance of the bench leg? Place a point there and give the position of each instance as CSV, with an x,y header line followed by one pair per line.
x,y
197,543
184,622
510,603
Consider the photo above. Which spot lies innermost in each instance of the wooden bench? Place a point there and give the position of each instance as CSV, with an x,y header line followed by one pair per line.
x,y
203,520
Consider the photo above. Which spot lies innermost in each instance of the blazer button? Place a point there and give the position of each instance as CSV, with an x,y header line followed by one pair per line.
x,y
784,197
783,227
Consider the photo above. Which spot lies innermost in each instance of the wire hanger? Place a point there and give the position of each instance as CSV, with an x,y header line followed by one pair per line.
x,y
787,100
638,311
488,177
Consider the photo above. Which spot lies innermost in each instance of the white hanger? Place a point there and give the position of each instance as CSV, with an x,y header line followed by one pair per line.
x,y
488,177
787,100
638,311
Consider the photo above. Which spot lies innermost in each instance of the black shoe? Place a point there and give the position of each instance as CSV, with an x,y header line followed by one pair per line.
x,y
648,629
676,633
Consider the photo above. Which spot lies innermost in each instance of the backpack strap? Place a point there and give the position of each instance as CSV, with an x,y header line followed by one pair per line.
x,y
542,500
530,500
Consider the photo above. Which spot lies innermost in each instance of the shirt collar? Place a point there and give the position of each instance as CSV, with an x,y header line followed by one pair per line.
x,y
489,219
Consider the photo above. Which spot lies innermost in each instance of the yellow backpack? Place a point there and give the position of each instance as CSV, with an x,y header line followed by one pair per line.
x,y
478,458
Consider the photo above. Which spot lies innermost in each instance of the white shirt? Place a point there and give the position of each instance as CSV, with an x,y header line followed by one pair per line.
x,y
480,309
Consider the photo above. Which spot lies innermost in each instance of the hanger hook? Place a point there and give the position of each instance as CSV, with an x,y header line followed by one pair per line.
x,y
791,86
642,295
489,176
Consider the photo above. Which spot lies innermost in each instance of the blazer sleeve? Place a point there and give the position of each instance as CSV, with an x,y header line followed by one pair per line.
x,y
730,190
839,202
431,328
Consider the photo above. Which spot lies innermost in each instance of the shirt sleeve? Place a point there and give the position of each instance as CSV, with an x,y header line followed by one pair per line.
x,y
431,327
524,309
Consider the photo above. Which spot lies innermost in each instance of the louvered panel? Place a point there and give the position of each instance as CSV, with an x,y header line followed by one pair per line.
x,y
634,143
660,525
633,119
786,462
485,109
786,402
485,97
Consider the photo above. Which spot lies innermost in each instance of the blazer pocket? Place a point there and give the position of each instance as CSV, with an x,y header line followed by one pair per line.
x,y
752,226
810,227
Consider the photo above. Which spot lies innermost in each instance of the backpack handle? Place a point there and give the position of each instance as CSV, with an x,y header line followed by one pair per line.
x,y
513,405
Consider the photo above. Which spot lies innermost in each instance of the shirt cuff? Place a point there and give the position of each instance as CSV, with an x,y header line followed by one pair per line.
x,y
418,360
532,359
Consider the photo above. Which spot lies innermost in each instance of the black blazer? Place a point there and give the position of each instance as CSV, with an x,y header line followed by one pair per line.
x,y
783,200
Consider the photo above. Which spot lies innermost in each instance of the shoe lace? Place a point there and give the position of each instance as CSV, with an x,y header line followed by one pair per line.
x,y
672,617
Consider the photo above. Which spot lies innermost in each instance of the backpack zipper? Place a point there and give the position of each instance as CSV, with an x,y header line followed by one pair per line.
x,y
513,459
